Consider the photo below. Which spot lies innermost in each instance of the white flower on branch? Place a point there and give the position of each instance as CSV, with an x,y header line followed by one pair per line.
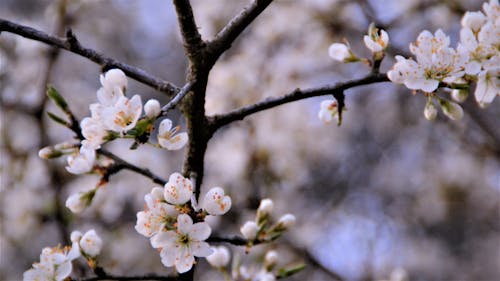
x,y
377,40
114,83
94,132
220,257
328,110
91,243
287,221
82,162
250,230
159,215
55,264
152,108
341,52
124,115
488,86
169,138
178,248
216,202
178,189
435,62
265,207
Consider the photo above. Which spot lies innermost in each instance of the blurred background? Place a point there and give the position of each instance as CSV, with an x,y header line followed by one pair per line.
x,y
386,196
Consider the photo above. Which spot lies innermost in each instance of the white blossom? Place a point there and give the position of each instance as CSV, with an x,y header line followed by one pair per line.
x,y
220,257
82,162
216,203
168,137
114,82
55,264
249,230
271,259
152,108
178,248
435,62
377,40
94,132
124,115
488,86
178,189
328,110
459,95
473,20
91,243
158,216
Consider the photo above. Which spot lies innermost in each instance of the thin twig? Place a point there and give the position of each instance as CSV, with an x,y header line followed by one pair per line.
x,y
70,43
224,39
218,121
180,95
121,164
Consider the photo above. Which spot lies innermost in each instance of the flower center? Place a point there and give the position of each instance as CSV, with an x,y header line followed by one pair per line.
x,y
183,239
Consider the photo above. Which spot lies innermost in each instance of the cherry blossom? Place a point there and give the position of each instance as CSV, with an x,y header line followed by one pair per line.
x,y
328,110
81,162
377,40
435,62
220,257
55,264
287,221
114,82
168,137
179,247
158,217
178,189
91,243
341,52
124,115
94,132
215,202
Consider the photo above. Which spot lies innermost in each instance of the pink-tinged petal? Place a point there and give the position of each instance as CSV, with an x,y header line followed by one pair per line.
x,y
164,239
184,224
201,249
184,260
200,231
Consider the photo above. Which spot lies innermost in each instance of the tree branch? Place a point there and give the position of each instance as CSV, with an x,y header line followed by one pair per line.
x,y
218,121
121,164
193,44
224,39
71,44
180,95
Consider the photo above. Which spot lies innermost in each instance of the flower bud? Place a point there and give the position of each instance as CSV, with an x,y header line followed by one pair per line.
x,y
459,95
271,259
451,109
287,221
152,108
49,152
430,111
265,207
249,230
341,52
220,257
79,201
91,243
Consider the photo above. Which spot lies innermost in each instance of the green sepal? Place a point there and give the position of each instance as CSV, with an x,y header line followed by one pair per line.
x,y
57,98
58,119
290,270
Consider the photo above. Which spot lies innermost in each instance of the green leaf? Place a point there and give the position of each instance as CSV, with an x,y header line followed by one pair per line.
x,y
57,98
58,119
291,270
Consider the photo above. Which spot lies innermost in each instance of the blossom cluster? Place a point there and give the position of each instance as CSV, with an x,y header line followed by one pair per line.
x,y
264,271
56,263
168,221
113,116
475,59
262,229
